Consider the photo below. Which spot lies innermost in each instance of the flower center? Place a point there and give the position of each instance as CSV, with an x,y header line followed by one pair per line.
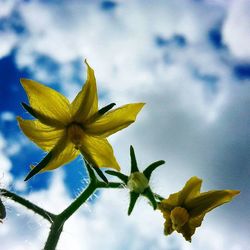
x,y
137,182
75,133
179,216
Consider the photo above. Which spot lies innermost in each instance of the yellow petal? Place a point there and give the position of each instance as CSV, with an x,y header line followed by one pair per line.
x,y
44,136
207,201
190,190
98,152
86,102
47,101
169,203
62,154
44,118
114,120
168,229
189,228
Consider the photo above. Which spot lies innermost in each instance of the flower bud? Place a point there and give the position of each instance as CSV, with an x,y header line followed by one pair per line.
x,y
137,182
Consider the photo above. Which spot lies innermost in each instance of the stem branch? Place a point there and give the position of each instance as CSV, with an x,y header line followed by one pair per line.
x,y
57,225
31,206
57,221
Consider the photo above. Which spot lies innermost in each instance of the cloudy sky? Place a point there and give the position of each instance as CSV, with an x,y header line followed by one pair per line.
x,y
189,60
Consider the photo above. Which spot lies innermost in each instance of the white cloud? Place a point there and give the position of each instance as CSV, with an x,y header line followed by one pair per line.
x,y
5,177
7,7
8,41
236,29
7,116
130,41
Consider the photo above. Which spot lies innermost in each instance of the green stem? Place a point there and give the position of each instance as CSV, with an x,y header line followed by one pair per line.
x,y
58,223
158,197
101,184
36,209
54,234
78,201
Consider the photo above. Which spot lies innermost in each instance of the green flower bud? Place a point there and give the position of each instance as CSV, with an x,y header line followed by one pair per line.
x,y
137,182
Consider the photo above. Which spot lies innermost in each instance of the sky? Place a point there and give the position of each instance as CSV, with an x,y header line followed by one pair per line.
x,y
188,60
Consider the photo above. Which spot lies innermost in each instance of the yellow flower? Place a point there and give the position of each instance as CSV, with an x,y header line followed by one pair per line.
x,y
185,210
65,129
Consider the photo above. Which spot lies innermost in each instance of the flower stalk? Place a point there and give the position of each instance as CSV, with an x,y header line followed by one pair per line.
x,y
57,221
29,205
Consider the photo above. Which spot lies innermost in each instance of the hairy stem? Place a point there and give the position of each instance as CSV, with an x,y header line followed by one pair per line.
x,y
54,234
31,206
58,223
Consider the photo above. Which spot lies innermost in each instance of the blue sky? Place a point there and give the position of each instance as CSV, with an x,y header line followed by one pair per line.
x,y
188,60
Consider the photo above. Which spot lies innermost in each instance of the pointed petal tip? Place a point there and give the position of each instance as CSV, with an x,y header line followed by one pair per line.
x,y
234,192
24,81
20,120
117,167
137,108
195,178
87,64
140,105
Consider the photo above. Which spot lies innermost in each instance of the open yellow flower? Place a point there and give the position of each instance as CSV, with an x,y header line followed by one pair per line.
x,y
185,210
65,129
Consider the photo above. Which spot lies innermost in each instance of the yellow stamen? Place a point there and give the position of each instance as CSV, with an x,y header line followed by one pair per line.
x,y
179,216
75,133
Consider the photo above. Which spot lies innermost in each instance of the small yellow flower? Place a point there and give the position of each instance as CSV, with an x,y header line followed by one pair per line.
x,y
185,210
65,129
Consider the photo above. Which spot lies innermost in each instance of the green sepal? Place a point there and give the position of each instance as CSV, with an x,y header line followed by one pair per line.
x,y
158,197
30,110
148,171
133,198
90,170
41,117
134,167
105,109
100,174
41,165
149,194
121,176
